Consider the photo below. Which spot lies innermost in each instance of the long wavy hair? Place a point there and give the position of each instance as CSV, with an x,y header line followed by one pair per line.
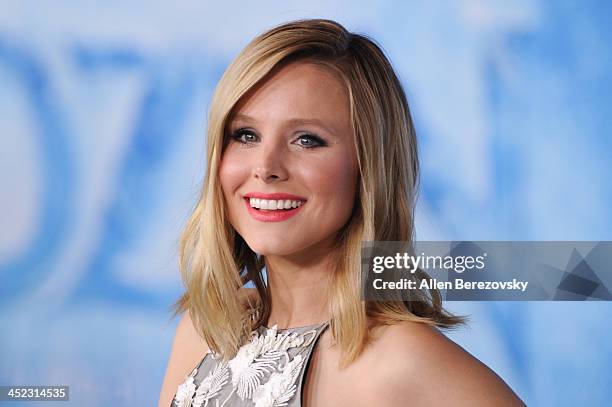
x,y
216,263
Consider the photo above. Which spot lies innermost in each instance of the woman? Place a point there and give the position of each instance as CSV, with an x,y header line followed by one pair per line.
x,y
311,150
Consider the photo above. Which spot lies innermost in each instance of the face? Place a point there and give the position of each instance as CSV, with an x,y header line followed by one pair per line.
x,y
291,145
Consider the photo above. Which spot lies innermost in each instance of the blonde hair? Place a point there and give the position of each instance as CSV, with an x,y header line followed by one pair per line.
x,y
215,262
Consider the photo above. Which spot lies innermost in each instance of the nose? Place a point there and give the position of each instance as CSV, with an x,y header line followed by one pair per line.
x,y
270,163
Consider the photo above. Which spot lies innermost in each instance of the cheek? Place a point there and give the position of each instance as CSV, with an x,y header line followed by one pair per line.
x,y
231,173
334,180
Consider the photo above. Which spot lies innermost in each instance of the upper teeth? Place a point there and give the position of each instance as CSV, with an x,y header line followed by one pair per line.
x,y
271,204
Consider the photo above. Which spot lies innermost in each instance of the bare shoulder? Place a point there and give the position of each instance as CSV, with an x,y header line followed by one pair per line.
x,y
418,364
188,349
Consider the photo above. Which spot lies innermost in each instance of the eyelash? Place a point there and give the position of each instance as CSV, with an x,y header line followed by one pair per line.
x,y
237,136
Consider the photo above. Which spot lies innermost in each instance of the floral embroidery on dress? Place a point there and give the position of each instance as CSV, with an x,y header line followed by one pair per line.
x,y
185,391
211,385
257,358
281,386
261,355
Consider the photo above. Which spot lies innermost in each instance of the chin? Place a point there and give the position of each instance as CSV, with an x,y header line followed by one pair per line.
x,y
268,249
272,246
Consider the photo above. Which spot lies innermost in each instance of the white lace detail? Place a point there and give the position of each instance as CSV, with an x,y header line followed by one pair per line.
x,y
281,386
185,391
211,385
257,358
261,355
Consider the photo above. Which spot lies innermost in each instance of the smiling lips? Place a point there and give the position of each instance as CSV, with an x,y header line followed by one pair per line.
x,y
275,207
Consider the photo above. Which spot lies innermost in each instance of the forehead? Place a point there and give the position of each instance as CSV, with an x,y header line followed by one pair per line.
x,y
298,90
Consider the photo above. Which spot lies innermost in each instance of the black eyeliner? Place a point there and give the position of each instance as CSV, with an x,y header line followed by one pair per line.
x,y
319,140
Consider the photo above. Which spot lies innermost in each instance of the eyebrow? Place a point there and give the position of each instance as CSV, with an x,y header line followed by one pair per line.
x,y
295,121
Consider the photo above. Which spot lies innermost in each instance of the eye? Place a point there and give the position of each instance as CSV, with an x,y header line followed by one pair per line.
x,y
311,141
244,136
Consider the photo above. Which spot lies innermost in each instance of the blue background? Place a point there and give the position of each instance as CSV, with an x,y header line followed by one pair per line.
x,y
102,151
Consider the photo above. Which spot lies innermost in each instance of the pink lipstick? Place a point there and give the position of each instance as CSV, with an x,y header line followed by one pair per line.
x,y
279,215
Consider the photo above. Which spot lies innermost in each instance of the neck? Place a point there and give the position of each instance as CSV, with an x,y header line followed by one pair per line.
x,y
299,290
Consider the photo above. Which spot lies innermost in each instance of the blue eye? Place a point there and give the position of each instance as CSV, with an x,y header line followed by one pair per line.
x,y
237,135
312,141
